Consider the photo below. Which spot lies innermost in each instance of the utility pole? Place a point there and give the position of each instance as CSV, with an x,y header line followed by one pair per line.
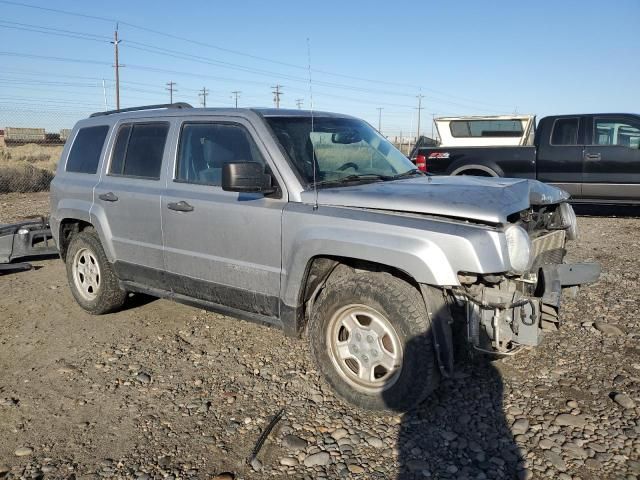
x,y
420,107
203,93
276,95
171,89
236,93
116,43
379,119
299,102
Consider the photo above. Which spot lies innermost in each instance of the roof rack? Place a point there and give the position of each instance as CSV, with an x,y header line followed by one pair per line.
x,y
145,107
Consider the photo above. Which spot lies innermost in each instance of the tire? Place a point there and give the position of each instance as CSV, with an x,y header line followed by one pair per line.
x,y
341,313
94,285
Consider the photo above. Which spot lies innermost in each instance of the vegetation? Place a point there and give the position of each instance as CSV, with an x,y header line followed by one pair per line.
x,y
27,168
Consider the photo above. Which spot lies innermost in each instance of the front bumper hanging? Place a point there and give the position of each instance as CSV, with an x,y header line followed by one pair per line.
x,y
500,320
27,239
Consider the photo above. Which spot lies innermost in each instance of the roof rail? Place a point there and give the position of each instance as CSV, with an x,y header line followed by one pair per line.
x,y
145,107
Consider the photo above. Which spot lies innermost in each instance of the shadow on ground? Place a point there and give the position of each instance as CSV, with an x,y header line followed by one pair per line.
x,y
460,431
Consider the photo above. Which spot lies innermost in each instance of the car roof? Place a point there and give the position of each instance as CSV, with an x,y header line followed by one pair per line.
x,y
184,109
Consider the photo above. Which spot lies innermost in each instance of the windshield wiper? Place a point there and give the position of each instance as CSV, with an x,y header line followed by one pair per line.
x,y
348,179
408,173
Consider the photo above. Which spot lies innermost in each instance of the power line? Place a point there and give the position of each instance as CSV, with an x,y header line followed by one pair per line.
x,y
236,52
276,95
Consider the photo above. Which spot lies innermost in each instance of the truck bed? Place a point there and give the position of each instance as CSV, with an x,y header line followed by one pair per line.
x,y
508,161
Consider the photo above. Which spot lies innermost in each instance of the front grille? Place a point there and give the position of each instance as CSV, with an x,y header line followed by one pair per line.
x,y
548,249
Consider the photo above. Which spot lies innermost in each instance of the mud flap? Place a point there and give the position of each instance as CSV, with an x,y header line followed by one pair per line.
x,y
441,321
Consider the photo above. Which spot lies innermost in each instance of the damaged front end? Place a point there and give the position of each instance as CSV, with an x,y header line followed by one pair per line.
x,y
506,311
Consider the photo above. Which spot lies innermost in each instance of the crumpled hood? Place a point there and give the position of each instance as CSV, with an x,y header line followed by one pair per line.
x,y
484,199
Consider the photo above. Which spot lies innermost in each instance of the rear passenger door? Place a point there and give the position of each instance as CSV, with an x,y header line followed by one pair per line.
x,y
559,159
222,247
612,158
128,200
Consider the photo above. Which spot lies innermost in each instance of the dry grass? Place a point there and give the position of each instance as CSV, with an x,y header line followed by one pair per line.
x,y
27,168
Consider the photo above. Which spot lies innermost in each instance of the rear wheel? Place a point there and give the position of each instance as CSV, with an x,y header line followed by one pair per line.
x,y
93,283
370,336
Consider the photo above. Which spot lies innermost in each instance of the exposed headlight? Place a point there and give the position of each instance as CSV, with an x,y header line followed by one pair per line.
x,y
569,220
519,248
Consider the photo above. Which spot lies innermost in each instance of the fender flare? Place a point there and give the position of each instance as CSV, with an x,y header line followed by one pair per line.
x,y
491,171
408,255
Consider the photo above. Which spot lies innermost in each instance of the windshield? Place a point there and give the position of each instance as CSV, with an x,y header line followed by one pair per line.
x,y
345,150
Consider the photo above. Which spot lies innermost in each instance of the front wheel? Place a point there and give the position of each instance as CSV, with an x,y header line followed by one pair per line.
x,y
370,336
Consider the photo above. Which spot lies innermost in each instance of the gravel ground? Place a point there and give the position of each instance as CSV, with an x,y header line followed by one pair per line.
x,y
17,206
161,390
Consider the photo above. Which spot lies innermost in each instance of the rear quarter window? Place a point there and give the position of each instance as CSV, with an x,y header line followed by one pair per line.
x,y
84,156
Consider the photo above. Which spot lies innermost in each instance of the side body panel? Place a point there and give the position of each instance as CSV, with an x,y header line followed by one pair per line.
x,y
560,165
71,194
611,172
228,247
430,250
517,162
130,227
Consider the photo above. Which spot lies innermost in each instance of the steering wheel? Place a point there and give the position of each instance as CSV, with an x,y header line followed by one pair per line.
x,y
348,165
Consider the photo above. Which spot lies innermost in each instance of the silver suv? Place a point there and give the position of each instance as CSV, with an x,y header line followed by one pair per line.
x,y
312,222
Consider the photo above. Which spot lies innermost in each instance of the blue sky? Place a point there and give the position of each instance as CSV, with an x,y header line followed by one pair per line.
x,y
465,57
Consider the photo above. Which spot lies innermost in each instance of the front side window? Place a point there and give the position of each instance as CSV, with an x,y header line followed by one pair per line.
x,y
565,131
206,147
84,156
616,132
337,148
486,128
139,149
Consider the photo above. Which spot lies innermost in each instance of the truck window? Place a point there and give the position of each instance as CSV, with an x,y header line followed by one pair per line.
x,y
206,147
608,131
138,150
486,128
565,131
85,152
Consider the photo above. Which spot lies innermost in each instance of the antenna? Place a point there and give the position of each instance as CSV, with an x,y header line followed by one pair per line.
x,y
314,162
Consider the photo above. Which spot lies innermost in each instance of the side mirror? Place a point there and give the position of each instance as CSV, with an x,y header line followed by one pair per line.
x,y
246,177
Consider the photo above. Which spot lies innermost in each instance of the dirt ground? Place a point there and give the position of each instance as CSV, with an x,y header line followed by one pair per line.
x,y
162,390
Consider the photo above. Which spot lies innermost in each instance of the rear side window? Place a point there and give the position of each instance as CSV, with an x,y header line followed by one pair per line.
x,y
565,131
84,156
139,149
206,147
485,128
612,131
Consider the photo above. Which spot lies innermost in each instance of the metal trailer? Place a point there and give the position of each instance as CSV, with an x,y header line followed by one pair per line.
x,y
24,135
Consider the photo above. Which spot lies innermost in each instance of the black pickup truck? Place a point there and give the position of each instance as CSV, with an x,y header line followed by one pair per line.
x,y
594,157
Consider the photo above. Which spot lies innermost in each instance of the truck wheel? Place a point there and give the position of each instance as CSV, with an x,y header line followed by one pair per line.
x,y
91,278
370,336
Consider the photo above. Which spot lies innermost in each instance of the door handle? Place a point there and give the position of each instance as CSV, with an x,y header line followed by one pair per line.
x,y
180,206
108,197
592,156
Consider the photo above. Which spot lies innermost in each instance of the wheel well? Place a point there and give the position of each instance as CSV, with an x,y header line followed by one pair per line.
x,y
68,227
320,268
478,171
